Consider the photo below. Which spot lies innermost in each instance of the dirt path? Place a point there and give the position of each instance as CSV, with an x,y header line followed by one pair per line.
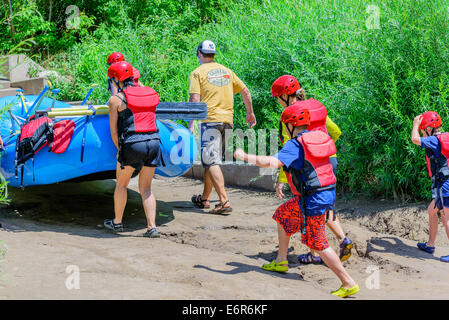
x,y
201,256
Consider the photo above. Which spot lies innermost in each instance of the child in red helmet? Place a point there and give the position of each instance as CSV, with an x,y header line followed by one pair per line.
x,y
436,145
135,133
287,90
305,157
118,57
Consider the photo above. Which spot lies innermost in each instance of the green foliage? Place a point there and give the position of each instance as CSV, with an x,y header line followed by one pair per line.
x,y
373,81
28,20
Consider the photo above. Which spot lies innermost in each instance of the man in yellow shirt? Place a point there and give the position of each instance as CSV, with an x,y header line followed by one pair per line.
x,y
215,85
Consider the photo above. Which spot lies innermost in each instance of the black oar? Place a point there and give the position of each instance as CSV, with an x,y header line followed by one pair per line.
x,y
181,110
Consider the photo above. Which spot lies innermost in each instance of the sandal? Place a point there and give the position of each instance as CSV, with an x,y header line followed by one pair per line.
x,y
277,267
199,202
220,208
309,258
424,247
444,259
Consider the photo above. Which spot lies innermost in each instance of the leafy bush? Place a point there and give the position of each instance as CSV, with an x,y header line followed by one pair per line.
x,y
373,80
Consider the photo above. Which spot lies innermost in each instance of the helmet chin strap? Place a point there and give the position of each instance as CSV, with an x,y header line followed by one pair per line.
x,y
290,131
117,83
287,101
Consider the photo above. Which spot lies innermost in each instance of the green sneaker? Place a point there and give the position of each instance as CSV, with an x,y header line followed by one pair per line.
x,y
343,292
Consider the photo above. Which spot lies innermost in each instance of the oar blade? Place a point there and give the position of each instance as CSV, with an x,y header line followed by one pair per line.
x,y
181,111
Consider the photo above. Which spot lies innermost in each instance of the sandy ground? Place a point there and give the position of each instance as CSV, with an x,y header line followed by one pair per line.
x,y
48,230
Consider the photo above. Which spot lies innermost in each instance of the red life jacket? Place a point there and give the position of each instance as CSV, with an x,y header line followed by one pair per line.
x,y
318,115
318,174
36,132
439,167
139,116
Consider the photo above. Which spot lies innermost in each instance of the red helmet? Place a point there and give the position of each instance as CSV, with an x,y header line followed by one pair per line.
x,y
115,57
297,115
430,119
121,70
285,84
136,74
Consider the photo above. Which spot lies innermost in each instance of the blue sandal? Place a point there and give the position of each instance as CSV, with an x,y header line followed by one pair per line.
x,y
424,247
444,259
309,258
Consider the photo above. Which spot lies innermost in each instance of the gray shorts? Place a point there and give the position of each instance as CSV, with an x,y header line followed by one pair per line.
x,y
213,142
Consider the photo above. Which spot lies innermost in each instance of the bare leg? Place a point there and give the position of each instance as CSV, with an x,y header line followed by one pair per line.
x,y
333,262
121,192
433,223
335,227
218,181
208,185
148,198
284,240
445,220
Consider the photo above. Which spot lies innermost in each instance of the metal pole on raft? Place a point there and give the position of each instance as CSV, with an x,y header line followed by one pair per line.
x,y
22,98
38,101
55,92
92,87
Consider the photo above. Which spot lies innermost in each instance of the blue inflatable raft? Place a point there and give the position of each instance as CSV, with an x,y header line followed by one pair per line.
x,y
91,154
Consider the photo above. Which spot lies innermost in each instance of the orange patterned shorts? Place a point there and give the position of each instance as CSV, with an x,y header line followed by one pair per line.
x,y
288,215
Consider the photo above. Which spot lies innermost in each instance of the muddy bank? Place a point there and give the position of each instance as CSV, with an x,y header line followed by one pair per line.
x,y
201,256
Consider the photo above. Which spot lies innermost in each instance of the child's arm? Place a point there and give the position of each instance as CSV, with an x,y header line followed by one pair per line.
x,y
416,138
260,161
333,129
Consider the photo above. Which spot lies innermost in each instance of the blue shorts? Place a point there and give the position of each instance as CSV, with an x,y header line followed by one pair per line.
x,y
442,202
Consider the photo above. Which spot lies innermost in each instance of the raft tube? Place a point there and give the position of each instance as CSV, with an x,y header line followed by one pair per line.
x,y
179,147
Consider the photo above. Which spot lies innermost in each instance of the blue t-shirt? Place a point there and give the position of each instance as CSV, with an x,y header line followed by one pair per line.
x,y
292,156
434,145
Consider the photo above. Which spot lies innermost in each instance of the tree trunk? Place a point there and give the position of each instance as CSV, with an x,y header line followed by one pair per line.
x,y
51,6
13,31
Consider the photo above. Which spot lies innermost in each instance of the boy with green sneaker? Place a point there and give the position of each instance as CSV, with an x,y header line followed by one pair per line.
x,y
305,158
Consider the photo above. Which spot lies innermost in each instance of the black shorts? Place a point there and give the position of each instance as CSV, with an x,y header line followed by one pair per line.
x,y
142,154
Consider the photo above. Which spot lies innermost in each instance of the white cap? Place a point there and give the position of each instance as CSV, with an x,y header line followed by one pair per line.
x,y
207,46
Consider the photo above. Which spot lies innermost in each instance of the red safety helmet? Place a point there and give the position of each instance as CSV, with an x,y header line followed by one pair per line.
x,y
121,70
430,119
285,84
115,57
297,115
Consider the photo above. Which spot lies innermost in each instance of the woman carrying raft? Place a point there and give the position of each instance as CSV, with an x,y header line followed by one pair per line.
x,y
135,134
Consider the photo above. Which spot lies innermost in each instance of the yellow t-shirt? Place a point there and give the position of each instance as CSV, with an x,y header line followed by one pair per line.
x,y
333,130
216,85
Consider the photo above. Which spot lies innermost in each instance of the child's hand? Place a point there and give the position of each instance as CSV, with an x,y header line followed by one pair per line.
x,y
239,154
417,121
279,190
